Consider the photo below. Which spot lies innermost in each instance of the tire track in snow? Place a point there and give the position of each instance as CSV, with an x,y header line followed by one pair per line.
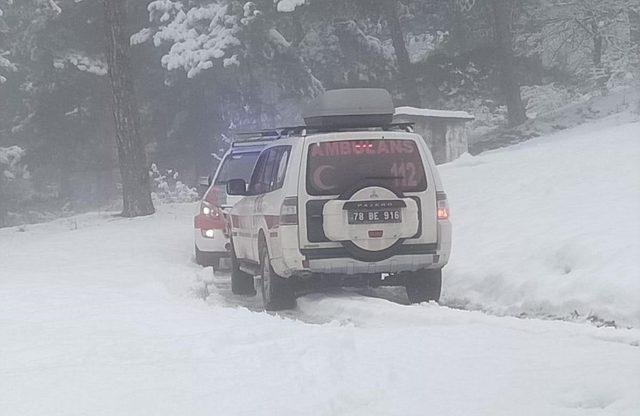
x,y
383,308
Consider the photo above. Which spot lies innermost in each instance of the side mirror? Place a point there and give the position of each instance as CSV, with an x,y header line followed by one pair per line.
x,y
204,181
236,187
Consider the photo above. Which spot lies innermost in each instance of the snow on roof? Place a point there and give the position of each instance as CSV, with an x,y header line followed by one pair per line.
x,y
427,112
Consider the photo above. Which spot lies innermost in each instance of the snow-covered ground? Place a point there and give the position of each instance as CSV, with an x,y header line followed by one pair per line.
x,y
107,316
550,226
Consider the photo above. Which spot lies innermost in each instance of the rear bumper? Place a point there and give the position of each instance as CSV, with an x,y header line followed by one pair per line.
x,y
395,264
217,244
337,260
334,261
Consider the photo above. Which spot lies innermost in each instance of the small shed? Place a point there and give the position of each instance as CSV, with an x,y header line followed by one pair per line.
x,y
444,131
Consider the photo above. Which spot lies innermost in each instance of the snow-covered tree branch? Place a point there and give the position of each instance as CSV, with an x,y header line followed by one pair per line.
x,y
198,37
9,161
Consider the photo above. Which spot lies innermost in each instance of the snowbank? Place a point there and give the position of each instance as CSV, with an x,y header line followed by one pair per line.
x,y
549,227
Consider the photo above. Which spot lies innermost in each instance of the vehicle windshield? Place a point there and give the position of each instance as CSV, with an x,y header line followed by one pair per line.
x,y
335,167
237,166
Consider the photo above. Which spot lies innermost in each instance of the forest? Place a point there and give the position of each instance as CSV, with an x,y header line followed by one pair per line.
x,y
203,69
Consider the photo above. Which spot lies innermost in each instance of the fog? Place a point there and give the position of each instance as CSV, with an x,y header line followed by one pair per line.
x,y
202,70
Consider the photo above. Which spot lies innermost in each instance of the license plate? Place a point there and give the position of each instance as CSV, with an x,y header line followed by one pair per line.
x,y
383,216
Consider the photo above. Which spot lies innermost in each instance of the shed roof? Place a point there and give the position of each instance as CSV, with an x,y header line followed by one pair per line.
x,y
427,112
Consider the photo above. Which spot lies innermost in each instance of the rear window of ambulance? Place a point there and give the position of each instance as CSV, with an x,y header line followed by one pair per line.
x,y
337,166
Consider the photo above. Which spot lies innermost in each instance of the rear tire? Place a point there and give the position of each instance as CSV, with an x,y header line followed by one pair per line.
x,y
424,285
241,282
277,292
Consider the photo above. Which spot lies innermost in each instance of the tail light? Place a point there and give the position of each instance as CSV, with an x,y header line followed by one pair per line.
x,y
289,211
443,209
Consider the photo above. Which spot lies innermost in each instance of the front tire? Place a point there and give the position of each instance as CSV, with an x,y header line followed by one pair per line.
x,y
277,292
424,285
241,282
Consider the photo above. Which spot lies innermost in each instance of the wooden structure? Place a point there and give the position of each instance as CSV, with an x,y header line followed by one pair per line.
x,y
445,132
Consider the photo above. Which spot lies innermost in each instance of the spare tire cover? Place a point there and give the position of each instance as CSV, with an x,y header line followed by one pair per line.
x,y
378,249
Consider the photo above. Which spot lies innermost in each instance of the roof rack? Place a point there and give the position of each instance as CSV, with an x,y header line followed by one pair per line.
x,y
246,138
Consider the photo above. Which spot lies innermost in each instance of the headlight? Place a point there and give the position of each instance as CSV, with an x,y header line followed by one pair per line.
x,y
209,210
205,208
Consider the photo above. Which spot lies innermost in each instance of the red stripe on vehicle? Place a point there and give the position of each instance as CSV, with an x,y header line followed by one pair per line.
x,y
205,222
273,221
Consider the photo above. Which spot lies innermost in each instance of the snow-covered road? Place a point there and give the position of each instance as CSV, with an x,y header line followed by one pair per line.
x,y
107,316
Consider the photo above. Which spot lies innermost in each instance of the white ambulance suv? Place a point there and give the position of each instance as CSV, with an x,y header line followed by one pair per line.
x,y
210,223
348,199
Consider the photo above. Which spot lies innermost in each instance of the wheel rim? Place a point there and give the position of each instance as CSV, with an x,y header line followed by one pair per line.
x,y
266,281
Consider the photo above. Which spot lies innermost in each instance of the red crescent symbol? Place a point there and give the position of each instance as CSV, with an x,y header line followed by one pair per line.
x,y
317,180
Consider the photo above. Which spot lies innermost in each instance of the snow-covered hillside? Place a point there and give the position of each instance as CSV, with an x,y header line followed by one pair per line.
x,y
551,226
105,316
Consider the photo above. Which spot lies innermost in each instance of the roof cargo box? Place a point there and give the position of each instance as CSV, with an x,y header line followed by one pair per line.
x,y
350,108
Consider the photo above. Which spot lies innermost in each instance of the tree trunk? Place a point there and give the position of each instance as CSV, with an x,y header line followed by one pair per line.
x,y
506,61
634,37
597,50
133,164
3,208
601,75
634,27
405,69
458,30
